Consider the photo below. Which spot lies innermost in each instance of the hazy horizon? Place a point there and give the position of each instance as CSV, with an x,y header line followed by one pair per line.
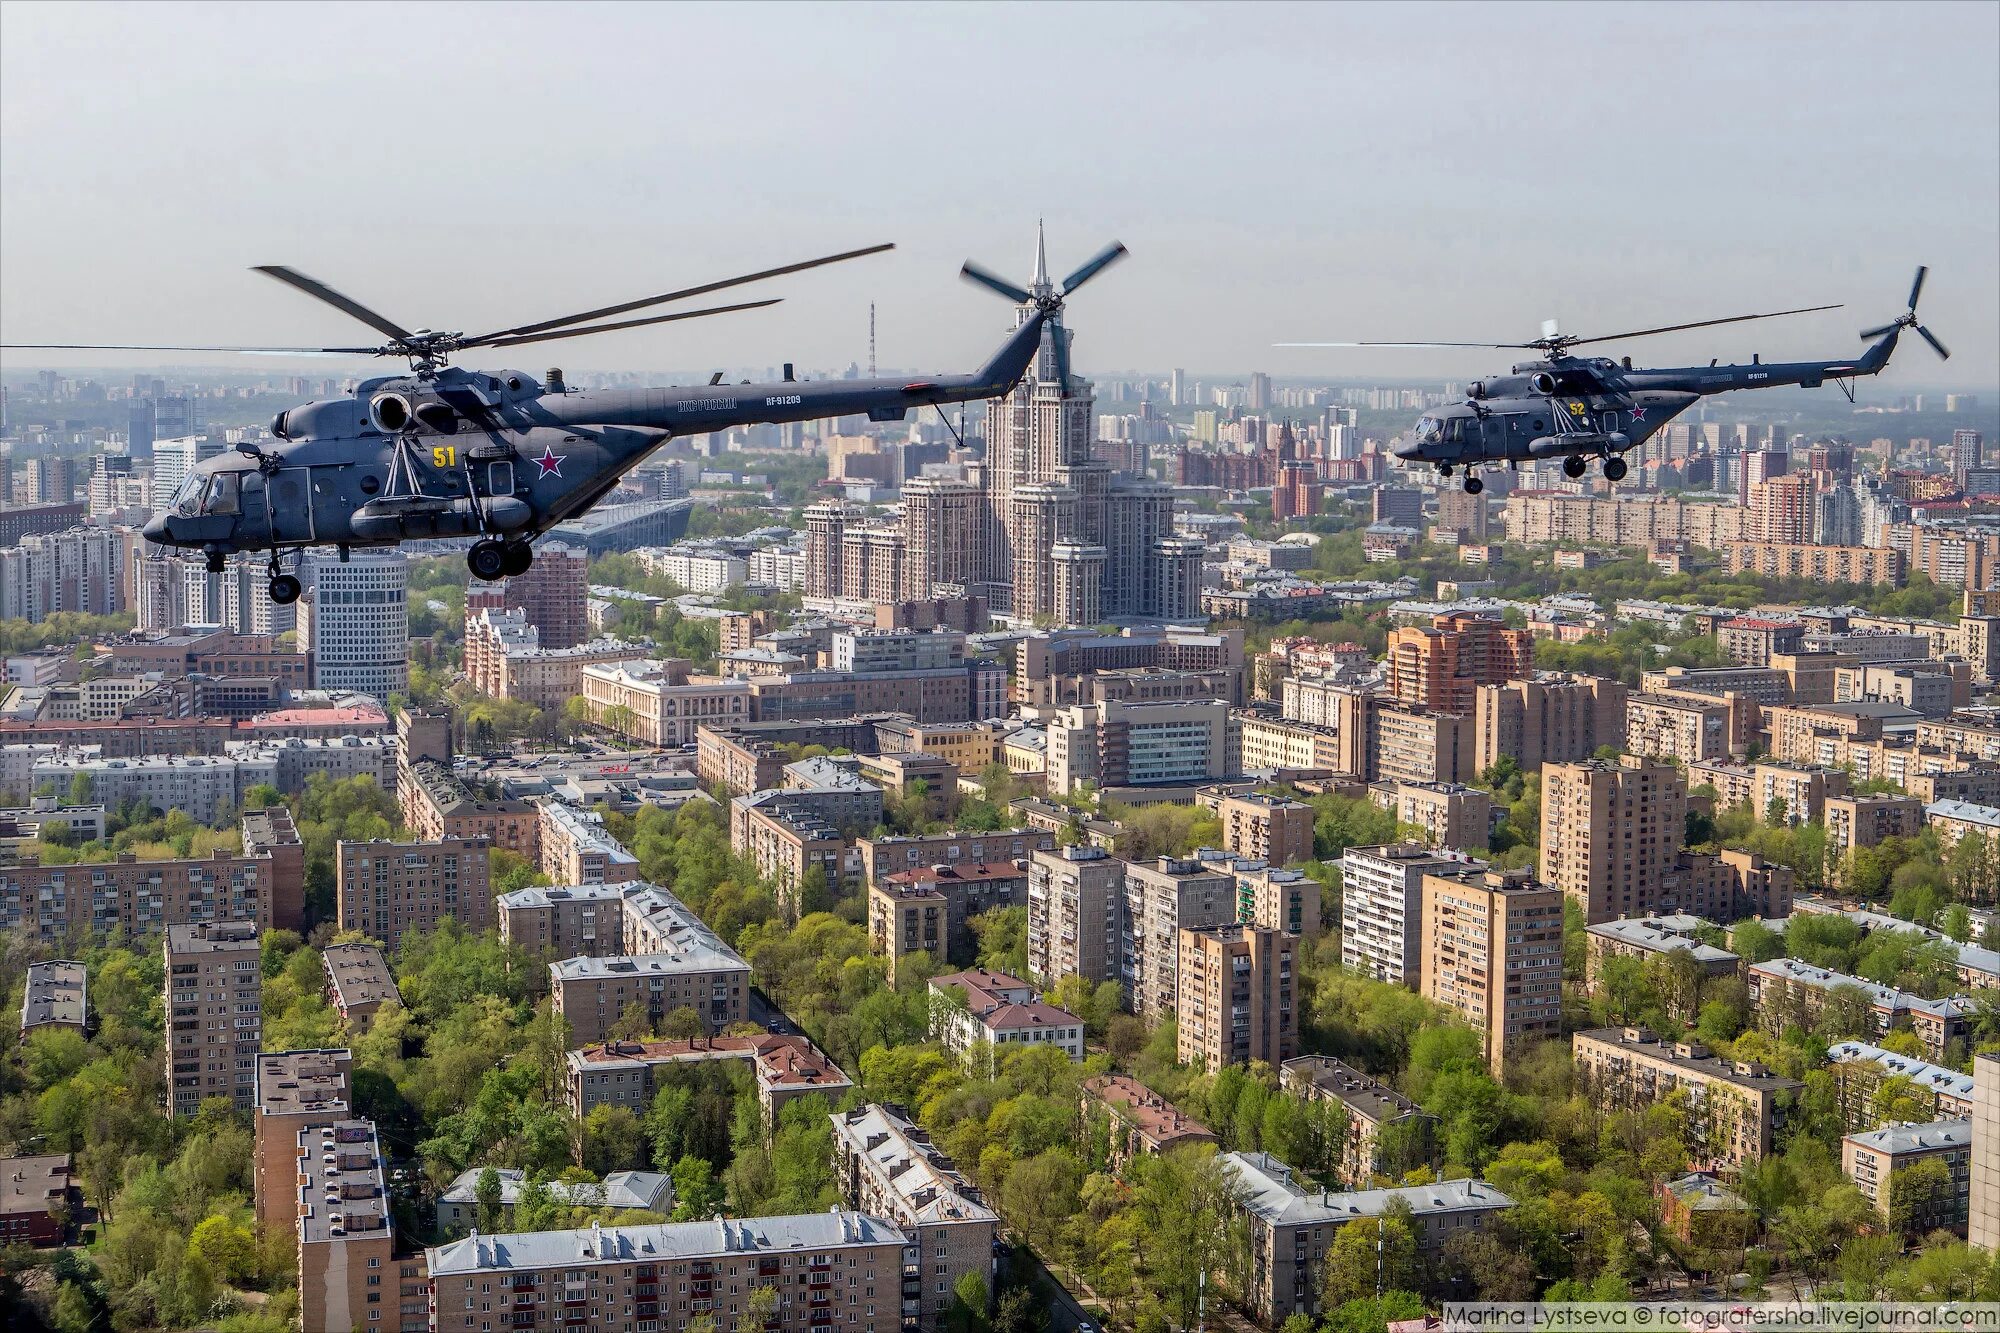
x,y
1281,173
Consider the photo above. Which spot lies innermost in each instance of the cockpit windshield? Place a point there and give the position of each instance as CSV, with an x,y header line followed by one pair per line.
x,y
1429,430
208,493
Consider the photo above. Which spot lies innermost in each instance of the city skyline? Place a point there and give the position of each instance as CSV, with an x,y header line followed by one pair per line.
x,y
1451,218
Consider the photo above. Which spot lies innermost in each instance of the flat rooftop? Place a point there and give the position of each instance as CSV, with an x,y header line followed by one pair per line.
x,y
292,1082
56,994
666,1241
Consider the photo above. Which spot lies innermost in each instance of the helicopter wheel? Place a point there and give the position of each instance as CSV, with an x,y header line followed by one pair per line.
x,y
1473,485
1444,469
487,560
215,559
285,589
1614,469
519,555
1574,466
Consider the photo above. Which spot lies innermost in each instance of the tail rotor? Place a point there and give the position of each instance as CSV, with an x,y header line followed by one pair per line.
x,y
1047,297
1908,319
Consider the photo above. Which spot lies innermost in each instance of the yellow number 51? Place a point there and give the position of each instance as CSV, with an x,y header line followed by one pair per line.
x,y
444,455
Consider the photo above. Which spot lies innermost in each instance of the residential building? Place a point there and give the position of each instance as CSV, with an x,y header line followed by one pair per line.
x,y
576,848
1138,745
1002,1012
1450,815
1548,718
1161,898
1292,1227
270,834
437,805
1286,900
888,1167
1141,1120
1645,938
40,1200
1705,1215
1267,828
1691,729
386,888
673,961
346,1240
1493,951
1612,833
1440,667
845,1270
1739,1106
1074,897
553,596
1820,564
506,657
908,918
1860,1071
1787,992
787,837
1863,821
629,1073
883,857
358,982
1984,1207
962,891
1411,1140
214,1004
1382,908
1414,745
56,995
296,1090
1873,1159
1236,997
458,1206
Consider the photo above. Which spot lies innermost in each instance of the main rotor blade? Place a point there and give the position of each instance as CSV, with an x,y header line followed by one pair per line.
x,y
1936,346
1095,265
171,347
1917,287
1483,346
490,339
986,277
313,287
1698,324
553,335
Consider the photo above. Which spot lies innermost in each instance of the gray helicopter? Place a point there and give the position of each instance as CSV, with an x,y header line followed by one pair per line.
x,y
1579,408
500,456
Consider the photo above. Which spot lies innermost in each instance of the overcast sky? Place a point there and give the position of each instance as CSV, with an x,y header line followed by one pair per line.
x,y
1281,173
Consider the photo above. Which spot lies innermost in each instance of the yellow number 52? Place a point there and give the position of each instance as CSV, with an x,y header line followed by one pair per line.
x,y
444,455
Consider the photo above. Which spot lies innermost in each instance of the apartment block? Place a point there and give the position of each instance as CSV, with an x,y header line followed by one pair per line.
x,y
295,1090
882,857
1000,1012
840,1269
1799,791
1741,1104
1984,1208
1142,1121
1448,815
214,1004
358,982
1874,1158
629,1073
672,960
1138,745
1236,999
1547,718
888,1167
438,807
1787,992
1493,951
1382,909
787,839
1863,821
1412,1140
1278,899
1440,666
1677,726
1292,1227
346,1248
1612,834
1860,1069
56,903
1645,938
458,1206
1163,897
1074,897
387,888
1412,744
57,994
1268,828
956,893
577,849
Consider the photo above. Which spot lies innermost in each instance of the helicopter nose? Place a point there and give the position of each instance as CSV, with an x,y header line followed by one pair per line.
x,y
156,530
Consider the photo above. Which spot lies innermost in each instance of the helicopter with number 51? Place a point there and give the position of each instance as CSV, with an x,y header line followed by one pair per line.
x,y
1579,408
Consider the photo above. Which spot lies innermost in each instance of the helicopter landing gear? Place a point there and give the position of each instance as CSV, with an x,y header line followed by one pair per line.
x,y
215,559
285,589
487,560
1444,469
1574,466
1473,485
516,559
1614,469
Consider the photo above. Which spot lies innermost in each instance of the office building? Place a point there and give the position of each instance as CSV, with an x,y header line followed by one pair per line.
x,y
1292,1227
1074,897
1493,951
841,1269
1382,909
655,703
888,1167
1235,1000
1138,745
214,1004
1744,1105
1161,898
386,888
1612,834
355,621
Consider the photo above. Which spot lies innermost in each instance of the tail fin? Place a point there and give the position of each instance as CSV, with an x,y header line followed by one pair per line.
x,y
1008,364
1876,357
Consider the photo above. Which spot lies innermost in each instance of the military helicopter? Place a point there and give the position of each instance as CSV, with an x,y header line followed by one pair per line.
x,y
1579,408
499,455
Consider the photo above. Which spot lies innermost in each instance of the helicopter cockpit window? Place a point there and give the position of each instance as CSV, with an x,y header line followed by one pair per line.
x,y
1429,430
187,500
222,494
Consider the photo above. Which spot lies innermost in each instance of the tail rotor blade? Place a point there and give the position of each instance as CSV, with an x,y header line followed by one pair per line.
x,y
1876,333
1095,265
1936,346
1917,287
987,278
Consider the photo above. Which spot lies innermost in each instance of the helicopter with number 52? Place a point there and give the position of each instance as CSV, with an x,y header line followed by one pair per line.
x,y
500,456
1578,408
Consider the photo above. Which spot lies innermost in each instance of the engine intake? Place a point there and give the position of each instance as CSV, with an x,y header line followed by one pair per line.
x,y
1543,382
390,413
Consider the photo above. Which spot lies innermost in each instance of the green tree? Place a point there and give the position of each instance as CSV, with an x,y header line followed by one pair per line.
x,y
487,1191
1370,1257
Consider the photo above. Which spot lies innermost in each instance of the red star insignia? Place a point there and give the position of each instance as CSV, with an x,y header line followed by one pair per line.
x,y
1638,414
550,463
